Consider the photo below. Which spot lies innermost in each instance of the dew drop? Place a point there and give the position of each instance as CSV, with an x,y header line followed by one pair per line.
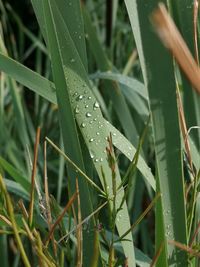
x,y
77,110
89,97
83,125
86,106
96,160
80,37
72,60
114,134
88,115
168,233
96,105
91,140
101,159
80,97
97,133
91,122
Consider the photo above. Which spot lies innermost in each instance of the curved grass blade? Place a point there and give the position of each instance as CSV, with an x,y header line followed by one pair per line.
x,y
133,90
136,85
46,89
17,189
15,174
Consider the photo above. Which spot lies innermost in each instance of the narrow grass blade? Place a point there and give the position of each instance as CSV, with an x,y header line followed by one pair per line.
x,y
17,189
136,85
15,174
56,42
162,95
22,131
4,250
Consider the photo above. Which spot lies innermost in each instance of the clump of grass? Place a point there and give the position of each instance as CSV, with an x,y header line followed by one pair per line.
x,y
89,201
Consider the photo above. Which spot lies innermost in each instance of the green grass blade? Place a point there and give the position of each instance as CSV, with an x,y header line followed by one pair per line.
x,y
162,95
15,174
16,189
69,134
4,250
17,103
133,90
136,85
71,11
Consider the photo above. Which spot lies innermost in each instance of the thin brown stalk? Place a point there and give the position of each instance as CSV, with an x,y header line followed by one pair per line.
x,y
79,233
173,40
75,166
181,246
195,234
46,189
157,255
60,218
23,209
33,176
5,220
